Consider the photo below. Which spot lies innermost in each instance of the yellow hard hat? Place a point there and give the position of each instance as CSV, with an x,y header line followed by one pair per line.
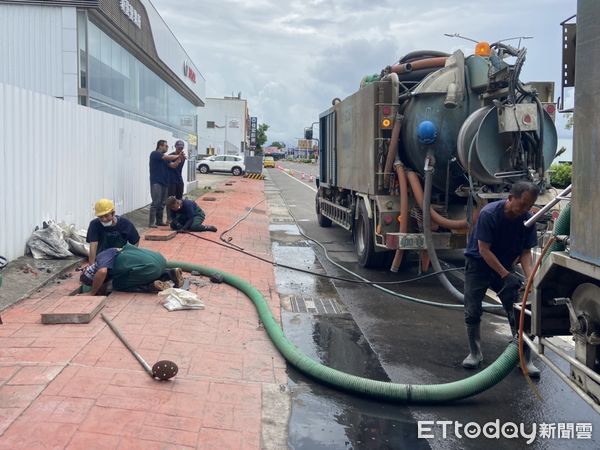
x,y
104,206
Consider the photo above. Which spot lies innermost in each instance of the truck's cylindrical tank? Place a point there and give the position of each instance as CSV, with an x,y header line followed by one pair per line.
x,y
449,97
447,122
484,150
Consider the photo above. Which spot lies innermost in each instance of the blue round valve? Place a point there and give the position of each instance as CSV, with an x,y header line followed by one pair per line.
x,y
426,132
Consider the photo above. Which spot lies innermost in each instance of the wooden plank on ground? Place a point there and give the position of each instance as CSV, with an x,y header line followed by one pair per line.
x,y
160,235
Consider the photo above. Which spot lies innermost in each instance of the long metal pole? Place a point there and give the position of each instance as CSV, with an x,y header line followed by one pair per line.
x,y
545,209
147,368
566,379
578,364
225,143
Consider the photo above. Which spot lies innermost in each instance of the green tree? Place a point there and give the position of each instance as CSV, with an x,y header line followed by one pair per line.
x,y
261,136
570,121
278,144
560,175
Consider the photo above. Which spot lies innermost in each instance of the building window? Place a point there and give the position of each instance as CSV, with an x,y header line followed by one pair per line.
x,y
210,124
117,78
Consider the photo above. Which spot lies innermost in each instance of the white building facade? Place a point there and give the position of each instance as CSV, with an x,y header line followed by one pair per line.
x,y
223,126
117,56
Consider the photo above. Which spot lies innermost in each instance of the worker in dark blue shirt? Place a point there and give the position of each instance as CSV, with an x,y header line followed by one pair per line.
x,y
188,216
498,242
175,175
108,230
159,181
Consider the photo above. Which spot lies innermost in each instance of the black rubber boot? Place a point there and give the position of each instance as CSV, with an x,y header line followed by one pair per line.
x,y
152,219
159,219
474,358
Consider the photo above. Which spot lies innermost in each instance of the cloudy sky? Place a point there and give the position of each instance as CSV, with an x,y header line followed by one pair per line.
x,y
289,58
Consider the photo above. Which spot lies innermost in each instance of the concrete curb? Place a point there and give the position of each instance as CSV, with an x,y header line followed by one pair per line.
x,y
15,290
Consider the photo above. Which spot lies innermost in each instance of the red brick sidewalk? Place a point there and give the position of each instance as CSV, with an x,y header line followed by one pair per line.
x,y
77,387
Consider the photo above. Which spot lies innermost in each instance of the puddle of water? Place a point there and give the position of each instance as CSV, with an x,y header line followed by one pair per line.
x,y
300,254
291,230
323,418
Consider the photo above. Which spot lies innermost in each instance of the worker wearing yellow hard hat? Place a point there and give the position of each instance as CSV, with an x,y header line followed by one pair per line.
x,y
109,230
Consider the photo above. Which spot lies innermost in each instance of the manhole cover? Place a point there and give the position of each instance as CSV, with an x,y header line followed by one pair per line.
x,y
312,305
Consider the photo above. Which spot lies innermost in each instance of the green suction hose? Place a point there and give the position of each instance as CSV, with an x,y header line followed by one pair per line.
x,y
404,393
562,227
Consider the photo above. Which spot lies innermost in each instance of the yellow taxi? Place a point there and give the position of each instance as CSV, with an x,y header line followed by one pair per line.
x,y
268,161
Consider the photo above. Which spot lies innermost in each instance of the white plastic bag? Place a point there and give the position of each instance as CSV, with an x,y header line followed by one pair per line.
x,y
179,299
48,243
75,239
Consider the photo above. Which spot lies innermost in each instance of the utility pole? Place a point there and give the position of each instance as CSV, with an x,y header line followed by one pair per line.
x,y
225,143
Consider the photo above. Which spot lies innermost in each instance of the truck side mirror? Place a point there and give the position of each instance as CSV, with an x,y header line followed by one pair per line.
x,y
308,133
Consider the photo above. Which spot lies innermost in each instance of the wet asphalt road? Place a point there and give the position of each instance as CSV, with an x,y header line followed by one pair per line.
x,y
362,331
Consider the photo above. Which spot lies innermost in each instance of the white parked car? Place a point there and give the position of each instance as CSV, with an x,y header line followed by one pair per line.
x,y
222,163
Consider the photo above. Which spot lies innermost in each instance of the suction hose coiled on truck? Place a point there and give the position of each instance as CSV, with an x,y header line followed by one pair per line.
x,y
395,392
562,227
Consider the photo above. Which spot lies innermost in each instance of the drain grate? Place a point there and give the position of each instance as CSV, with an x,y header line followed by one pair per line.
x,y
311,305
256,210
281,220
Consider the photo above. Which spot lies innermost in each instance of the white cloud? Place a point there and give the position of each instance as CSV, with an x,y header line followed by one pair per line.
x,y
290,58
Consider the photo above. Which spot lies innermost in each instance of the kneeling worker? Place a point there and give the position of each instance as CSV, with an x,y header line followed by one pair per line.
x,y
187,216
131,269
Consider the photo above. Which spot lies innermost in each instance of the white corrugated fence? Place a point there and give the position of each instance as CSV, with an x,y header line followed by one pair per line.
x,y
57,158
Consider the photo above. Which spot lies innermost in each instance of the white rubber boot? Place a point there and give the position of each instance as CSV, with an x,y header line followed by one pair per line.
x,y
473,360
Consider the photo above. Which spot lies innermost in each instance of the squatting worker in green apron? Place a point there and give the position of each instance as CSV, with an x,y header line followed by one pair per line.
x,y
131,269
187,216
108,230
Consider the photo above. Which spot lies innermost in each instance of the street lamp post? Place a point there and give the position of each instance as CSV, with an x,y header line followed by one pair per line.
x,y
225,143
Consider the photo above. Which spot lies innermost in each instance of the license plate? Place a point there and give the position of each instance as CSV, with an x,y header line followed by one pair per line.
x,y
410,241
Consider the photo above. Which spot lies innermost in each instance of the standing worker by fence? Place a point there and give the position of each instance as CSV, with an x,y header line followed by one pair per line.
x,y
175,172
160,163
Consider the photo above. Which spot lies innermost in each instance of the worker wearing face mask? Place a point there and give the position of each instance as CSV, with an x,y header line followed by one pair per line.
x,y
108,230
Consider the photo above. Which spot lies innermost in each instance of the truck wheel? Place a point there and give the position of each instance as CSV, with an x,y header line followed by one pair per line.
x,y
364,244
324,222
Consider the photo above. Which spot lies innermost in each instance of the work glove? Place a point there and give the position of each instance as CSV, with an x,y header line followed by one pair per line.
x,y
511,283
